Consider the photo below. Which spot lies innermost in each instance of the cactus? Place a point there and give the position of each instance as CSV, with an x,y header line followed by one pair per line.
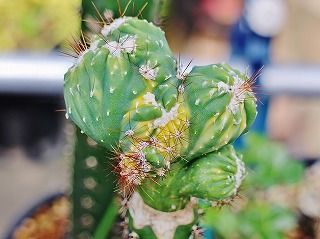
x,y
91,199
169,131
269,208
156,11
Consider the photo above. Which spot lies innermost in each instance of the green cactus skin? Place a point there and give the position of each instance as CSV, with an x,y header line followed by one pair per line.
x,y
152,9
90,198
229,108
213,177
156,11
107,80
170,132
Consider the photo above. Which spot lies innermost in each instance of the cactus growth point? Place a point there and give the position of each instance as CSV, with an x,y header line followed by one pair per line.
x,y
170,132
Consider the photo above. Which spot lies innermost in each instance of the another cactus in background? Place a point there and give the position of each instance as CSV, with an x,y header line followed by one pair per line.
x,y
169,131
152,10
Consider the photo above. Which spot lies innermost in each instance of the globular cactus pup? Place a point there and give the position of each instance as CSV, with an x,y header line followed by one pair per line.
x,y
170,132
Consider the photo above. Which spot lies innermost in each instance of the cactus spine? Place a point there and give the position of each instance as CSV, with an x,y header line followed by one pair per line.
x,y
170,132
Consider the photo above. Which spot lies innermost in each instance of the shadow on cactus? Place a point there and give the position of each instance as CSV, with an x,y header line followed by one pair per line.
x,y
170,131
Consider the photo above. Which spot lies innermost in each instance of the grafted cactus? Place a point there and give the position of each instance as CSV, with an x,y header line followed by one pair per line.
x,y
170,131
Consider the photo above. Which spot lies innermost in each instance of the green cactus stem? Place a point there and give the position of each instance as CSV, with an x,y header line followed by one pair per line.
x,y
169,131
90,196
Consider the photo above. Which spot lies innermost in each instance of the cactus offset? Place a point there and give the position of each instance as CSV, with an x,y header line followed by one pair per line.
x,y
170,131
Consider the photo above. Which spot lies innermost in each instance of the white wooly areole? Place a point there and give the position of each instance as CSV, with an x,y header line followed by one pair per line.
x,y
166,117
237,90
109,28
240,174
148,72
126,44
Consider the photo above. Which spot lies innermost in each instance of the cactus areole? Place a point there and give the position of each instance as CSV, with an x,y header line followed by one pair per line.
x,y
170,131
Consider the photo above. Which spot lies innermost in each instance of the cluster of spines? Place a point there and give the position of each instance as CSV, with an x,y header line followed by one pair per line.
x,y
132,167
102,25
125,44
239,89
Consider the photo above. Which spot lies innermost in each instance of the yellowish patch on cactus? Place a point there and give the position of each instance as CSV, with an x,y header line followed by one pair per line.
x,y
174,135
168,133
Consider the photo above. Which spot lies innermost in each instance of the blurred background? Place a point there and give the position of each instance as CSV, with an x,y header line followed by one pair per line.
x,y
280,36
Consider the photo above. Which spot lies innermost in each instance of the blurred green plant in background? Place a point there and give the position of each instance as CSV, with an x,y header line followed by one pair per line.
x,y
258,214
37,24
256,220
270,162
